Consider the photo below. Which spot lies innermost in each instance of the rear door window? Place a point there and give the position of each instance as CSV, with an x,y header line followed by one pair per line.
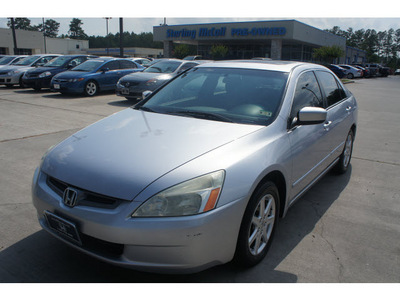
x,y
333,91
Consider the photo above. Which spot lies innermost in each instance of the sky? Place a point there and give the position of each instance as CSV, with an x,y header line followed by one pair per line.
x,y
141,17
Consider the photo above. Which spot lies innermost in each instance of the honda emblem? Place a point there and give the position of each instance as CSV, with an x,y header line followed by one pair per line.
x,y
70,197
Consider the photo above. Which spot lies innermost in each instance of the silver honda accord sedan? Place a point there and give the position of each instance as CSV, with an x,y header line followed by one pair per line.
x,y
199,172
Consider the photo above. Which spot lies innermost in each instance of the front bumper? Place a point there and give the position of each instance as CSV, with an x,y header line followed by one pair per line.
x,y
64,86
130,92
36,83
6,79
165,245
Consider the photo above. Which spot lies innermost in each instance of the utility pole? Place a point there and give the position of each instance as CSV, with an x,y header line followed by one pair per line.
x,y
14,37
121,37
44,37
108,41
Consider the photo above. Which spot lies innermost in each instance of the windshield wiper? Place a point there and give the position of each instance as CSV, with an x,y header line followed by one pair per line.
x,y
202,115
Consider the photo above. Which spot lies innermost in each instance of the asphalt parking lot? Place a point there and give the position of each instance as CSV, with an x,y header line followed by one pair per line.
x,y
345,229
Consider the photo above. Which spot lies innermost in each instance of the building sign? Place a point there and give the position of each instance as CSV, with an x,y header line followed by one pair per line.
x,y
223,32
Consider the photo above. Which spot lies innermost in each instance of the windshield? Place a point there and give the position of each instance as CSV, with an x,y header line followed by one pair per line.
x,y
163,67
88,66
222,94
57,62
27,61
5,60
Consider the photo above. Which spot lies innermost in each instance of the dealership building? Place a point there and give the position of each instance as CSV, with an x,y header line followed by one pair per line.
x,y
33,42
281,40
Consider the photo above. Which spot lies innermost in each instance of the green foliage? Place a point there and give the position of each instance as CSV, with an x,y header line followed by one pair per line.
x,y
75,30
381,47
144,40
181,51
218,52
328,54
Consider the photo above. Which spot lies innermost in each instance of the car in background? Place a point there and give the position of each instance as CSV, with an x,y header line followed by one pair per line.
x,y
339,71
132,86
366,73
10,60
193,57
40,77
142,61
397,72
352,72
94,75
200,172
378,70
12,74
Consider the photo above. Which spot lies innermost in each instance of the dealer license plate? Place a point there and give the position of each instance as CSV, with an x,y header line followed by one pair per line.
x,y
125,91
56,86
63,227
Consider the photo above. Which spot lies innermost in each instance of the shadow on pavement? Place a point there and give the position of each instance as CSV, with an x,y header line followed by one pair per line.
x,y
42,258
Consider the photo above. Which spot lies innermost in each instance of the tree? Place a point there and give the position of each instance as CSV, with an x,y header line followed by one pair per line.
x,y
218,51
50,28
181,51
328,54
75,29
21,23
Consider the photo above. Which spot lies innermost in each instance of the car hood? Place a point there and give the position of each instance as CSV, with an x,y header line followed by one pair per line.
x,y
121,155
41,70
13,68
143,76
71,74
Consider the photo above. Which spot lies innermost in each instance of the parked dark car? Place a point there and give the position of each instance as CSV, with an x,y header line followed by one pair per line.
x,y
39,78
366,73
132,86
339,71
94,75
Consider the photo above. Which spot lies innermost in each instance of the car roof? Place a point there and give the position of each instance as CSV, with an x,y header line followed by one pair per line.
x,y
272,65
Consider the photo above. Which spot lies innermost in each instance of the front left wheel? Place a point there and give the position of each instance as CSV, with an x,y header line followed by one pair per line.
x,y
258,225
91,88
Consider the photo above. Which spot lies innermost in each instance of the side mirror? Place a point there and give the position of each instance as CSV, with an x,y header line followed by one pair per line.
x,y
105,70
311,115
145,94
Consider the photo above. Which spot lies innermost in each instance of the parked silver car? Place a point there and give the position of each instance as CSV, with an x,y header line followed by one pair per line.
x,y
12,74
200,171
352,72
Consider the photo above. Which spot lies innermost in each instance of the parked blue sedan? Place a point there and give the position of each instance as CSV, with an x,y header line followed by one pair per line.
x,y
93,76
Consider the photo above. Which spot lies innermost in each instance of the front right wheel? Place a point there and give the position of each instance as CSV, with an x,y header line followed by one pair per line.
x,y
258,225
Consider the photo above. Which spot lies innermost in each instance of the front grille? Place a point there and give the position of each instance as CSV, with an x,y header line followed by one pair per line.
x,y
31,75
128,83
59,80
88,199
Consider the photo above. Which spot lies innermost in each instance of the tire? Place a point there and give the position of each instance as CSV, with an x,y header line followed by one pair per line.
x,y
344,160
258,226
91,88
21,84
350,76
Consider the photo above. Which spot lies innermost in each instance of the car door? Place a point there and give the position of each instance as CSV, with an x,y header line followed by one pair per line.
x,y
339,107
307,141
109,76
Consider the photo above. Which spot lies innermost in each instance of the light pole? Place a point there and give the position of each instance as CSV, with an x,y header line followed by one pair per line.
x,y
44,37
108,41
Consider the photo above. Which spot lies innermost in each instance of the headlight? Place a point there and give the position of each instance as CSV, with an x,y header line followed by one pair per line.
x,y
45,74
13,72
75,79
188,198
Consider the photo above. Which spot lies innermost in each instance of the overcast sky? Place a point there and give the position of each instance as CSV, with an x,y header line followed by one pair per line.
x,y
142,16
